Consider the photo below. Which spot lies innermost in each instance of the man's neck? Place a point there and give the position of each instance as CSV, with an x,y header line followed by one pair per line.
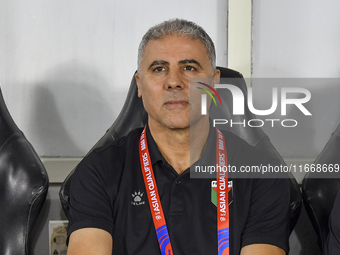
x,y
175,144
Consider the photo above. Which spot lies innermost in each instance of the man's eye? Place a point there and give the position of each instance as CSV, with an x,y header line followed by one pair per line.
x,y
159,69
189,68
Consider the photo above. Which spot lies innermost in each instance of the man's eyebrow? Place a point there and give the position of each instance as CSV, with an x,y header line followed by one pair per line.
x,y
158,62
189,61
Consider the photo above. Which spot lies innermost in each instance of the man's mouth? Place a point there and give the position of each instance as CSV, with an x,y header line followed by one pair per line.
x,y
176,104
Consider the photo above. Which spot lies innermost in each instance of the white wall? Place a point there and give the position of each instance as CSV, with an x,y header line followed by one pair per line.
x,y
65,66
300,39
296,38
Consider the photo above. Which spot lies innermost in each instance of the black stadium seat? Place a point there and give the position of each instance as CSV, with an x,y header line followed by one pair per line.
x,y
23,186
319,189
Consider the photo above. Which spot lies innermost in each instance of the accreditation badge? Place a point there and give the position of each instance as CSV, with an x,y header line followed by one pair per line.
x,y
214,192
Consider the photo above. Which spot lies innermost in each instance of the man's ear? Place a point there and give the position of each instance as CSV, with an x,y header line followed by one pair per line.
x,y
216,77
138,84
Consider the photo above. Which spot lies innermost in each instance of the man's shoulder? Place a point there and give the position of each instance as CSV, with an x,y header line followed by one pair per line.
x,y
240,152
112,155
120,144
233,140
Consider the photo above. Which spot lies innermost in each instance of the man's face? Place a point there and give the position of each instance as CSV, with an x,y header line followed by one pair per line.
x,y
164,79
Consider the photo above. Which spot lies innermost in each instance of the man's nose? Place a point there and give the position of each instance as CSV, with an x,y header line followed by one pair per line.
x,y
174,80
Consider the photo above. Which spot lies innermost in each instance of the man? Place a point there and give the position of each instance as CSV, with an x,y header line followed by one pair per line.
x,y
121,192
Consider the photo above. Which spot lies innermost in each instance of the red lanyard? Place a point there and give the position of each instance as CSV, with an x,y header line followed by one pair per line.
x,y
222,196
155,202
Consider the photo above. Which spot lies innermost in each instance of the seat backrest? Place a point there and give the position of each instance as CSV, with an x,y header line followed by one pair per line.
x,y
23,186
319,189
133,115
